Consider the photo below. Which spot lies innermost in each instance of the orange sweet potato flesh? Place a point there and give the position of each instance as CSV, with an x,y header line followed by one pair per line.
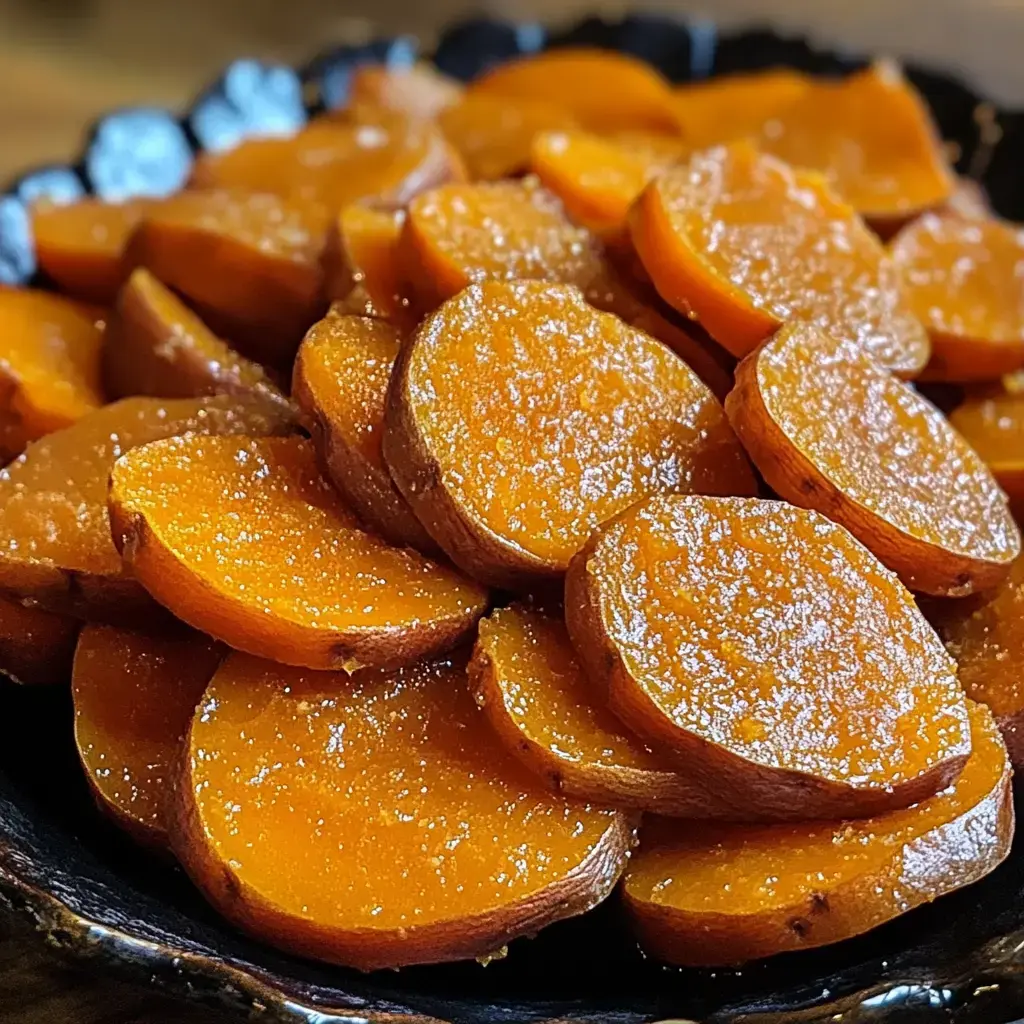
x,y
424,842
36,647
872,136
243,539
730,107
963,280
831,430
563,416
79,246
252,259
155,345
727,894
134,696
418,92
994,427
493,134
55,545
742,243
49,367
532,689
833,695
604,91
340,382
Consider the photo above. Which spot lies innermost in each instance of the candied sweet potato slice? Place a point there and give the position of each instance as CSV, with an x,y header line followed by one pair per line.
x,y
528,681
420,91
993,426
80,245
563,416
729,107
726,894
341,381
36,647
134,695
55,545
965,282
155,345
493,134
829,429
245,541
604,91
371,821
253,259
872,136
742,243
832,695
49,366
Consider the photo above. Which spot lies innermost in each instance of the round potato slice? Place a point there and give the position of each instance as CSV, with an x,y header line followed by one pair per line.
x,y
519,418
769,654
246,541
528,681
36,647
340,382
134,695
371,821
712,895
831,430
993,426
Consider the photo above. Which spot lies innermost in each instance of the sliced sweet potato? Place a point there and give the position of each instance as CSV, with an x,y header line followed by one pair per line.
x,y
742,243
829,429
563,416
371,821
597,178
420,91
528,681
726,894
604,91
340,382
36,647
134,695
493,134
831,694
252,259
244,540
964,282
79,246
994,427
872,136
729,107
55,545
155,345
49,367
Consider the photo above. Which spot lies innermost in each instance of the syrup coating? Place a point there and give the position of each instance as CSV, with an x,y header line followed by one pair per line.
x,y
243,539
372,821
134,695
830,430
743,243
726,894
770,654
519,418
36,647
993,426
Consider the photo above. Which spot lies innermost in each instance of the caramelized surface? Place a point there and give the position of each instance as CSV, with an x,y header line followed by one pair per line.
x,y
341,382
49,367
372,820
724,894
965,281
831,430
520,418
80,245
742,243
243,539
134,696
770,653
994,427
872,136
54,528
36,647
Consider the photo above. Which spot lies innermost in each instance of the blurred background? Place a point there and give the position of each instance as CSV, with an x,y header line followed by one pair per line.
x,y
64,61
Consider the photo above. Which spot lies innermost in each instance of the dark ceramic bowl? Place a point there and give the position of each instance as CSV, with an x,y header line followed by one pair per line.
x,y
98,898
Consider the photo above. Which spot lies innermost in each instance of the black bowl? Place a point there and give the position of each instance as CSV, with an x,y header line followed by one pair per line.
x,y
96,897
